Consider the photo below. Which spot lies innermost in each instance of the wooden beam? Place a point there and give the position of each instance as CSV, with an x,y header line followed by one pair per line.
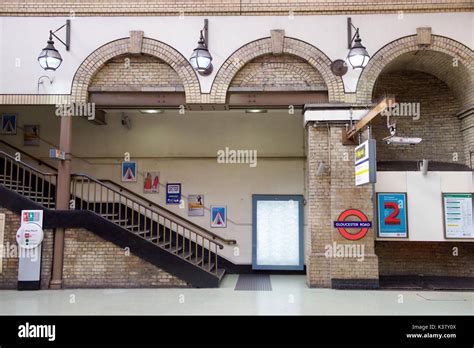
x,y
377,109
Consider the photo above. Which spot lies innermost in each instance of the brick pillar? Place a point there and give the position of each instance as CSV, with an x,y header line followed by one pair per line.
x,y
329,194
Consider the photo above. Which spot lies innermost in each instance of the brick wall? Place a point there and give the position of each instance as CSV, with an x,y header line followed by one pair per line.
x,y
438,126
135,71
425,258
224,7
9,274
329,195
281,70
92,262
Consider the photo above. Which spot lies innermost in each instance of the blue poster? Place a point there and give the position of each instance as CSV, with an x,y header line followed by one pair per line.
x,y
173,193
392,215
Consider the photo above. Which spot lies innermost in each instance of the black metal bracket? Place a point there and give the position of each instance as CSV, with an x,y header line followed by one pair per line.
x,y
68,34
350,37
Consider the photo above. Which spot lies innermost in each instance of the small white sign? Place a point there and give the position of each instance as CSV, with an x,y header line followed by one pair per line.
x,y
365,164
29,235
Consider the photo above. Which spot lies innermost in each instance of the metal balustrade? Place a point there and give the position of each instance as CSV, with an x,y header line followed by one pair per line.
x,y
151,222
38,186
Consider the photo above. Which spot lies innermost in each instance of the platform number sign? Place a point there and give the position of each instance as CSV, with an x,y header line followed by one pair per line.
x,y
392,215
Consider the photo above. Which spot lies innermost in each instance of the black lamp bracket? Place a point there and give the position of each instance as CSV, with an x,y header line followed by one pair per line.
x,y
68,34
350,37
205,33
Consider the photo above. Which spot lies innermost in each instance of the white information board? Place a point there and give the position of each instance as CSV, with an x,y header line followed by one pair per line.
x,y
458,215
365,163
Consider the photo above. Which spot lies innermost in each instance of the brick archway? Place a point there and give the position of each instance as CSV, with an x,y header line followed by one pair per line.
x,y
397,48
317,59
96,60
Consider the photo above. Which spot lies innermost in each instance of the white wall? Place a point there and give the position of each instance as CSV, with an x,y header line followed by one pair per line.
x,y
23,38
183,149
424,198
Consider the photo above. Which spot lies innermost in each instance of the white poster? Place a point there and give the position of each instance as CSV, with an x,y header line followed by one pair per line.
x,y
458,215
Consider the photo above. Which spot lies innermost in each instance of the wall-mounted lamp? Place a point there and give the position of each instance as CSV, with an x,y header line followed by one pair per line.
x,y
201,59
358,56
50,58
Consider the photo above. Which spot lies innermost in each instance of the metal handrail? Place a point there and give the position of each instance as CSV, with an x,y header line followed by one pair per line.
x,y
41,162
26,165
153,204
28,181
177,236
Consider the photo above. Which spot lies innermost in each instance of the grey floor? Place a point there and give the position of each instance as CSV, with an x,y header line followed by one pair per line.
x,y
290,296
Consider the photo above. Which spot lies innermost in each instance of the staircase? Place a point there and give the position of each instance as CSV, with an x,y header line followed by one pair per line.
x,y
154,233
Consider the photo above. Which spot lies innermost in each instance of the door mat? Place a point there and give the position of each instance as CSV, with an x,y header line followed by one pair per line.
x,y
253,282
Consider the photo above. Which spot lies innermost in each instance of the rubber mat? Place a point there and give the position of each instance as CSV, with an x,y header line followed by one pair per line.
x,y
254,282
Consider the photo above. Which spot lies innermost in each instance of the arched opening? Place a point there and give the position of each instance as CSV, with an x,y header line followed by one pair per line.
x,y
430,89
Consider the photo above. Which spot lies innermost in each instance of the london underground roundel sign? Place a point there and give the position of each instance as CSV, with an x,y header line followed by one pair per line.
x,y
29,235
344,226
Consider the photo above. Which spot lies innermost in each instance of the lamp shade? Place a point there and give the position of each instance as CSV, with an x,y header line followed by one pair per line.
x,y
358,56
201,59
49,58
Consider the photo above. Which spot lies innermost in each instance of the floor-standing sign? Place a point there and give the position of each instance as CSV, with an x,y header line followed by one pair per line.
x,y
365,163
29,238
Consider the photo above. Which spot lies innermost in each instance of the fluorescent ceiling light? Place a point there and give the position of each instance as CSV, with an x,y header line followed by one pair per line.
x,y
255,111
151,111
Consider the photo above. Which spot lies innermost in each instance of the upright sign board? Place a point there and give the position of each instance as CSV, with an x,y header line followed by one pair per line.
x,y
392,215
458,215
365,163
29,238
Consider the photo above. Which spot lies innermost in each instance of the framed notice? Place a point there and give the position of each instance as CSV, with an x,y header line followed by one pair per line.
x,y
196,205
219,216
392,215
173,193
458,215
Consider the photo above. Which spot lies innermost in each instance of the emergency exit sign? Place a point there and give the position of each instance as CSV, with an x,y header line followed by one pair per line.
x,y
365,163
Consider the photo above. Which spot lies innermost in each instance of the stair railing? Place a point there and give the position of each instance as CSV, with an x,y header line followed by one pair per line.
x,y
21,177
166,211
94,195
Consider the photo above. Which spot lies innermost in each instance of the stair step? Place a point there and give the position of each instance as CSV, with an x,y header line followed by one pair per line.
x,y
187,255
9,181
130,227
164,244
110,215
208,268
18,188
174,250
118,221
195,260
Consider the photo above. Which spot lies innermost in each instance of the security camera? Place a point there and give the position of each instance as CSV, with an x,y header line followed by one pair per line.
x,y
391,140
424,166
126,121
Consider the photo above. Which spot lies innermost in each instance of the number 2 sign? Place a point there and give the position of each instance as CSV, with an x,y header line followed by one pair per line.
x,y
392,215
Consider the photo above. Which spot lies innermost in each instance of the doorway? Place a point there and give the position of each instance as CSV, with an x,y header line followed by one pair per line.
x,y
277,232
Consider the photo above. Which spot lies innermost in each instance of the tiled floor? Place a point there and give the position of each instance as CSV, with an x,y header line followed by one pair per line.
x,y
290,295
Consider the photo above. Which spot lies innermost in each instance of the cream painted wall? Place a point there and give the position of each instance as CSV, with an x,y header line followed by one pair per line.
x,y
183,149
424,198
22,39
